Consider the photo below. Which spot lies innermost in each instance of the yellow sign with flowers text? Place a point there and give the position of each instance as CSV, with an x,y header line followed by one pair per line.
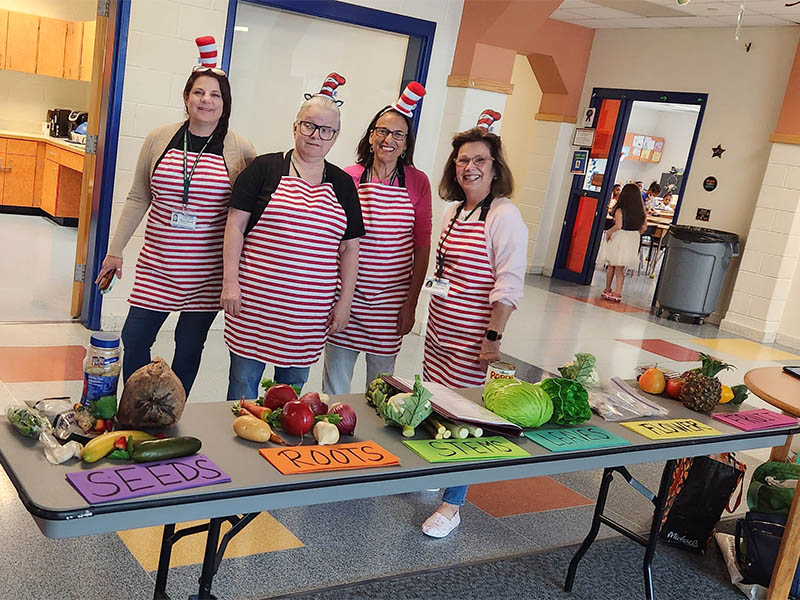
x,y
667,429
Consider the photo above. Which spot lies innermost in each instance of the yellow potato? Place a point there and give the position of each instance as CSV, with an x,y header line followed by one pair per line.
x,y
252,429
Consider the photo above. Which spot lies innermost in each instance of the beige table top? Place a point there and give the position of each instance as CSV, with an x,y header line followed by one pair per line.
x,y
777,388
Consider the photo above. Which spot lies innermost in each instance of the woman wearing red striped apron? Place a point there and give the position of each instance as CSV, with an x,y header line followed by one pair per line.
x,y
393,254
184,176
480,271
292,234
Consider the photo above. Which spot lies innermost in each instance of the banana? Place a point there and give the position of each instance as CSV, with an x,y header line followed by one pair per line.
x,y
103,444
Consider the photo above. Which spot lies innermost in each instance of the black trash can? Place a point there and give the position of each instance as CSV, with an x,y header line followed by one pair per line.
x,y
694,269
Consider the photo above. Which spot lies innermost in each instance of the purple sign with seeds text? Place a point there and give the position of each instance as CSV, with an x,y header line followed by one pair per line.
x,y
133,480
753,420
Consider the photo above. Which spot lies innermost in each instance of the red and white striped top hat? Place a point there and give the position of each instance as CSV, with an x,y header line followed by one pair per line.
x,y
409,99
487,119
329,87
207,46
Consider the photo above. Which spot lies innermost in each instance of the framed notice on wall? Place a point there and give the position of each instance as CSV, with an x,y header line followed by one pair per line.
x,y
583,137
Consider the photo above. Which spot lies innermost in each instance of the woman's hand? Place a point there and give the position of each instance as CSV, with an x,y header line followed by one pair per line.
x,y
609,235
111,264
489,351
231,299
406,318
339,317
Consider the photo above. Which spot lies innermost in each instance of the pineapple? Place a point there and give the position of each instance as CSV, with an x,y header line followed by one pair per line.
x,y
702,390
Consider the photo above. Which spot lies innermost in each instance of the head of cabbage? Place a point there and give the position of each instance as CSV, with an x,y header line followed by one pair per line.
x,y
524,404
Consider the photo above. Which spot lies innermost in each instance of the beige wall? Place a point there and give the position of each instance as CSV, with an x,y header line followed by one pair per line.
x,y
745,95
26,97
161,51
789,329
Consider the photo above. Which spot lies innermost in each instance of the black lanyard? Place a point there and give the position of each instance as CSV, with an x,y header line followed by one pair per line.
x,y
187,177
296,170
441,254
397,178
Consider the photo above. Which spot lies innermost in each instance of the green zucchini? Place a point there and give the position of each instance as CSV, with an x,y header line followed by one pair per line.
x,y
164,449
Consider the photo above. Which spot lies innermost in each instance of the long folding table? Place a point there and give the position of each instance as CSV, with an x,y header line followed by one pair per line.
x,y
256,486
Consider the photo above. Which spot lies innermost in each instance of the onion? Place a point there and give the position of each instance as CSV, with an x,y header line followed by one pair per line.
x,y
278,395
316,401
347,425
297,418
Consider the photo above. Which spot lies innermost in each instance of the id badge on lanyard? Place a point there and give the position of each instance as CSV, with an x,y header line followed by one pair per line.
x,y
183,219
436,286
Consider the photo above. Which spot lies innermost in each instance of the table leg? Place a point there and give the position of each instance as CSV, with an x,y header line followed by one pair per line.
x,y
160,592
210,560
658,514
781,453
602,496
788,555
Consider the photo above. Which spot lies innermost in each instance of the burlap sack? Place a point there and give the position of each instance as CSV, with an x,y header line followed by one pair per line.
x,y
153,397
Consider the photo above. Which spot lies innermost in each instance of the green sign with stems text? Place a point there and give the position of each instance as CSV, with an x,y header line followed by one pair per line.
x,y
484,448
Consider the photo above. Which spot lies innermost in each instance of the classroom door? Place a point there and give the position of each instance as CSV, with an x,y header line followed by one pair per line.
x,y
586,209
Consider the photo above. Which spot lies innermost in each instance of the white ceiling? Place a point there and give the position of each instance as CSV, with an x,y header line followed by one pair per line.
x,y
663,14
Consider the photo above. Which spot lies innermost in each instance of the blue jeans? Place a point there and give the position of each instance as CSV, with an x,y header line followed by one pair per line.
x,y
455,495
337,370
140,331
244,377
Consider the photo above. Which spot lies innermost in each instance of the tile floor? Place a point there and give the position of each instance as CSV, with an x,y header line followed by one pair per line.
x,y
364,539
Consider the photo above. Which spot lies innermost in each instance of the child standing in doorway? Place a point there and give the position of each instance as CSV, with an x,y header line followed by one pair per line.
x,y
619,249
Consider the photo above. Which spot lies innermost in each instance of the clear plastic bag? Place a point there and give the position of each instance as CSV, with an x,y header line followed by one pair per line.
x,y
29,422
615,400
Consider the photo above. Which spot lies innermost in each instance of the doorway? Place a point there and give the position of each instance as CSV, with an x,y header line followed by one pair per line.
x,y
642,137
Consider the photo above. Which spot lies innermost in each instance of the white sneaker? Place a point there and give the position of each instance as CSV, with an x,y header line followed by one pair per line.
x,y
439,526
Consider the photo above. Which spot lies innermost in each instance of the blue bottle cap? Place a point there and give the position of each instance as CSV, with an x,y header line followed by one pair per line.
x,y
104,340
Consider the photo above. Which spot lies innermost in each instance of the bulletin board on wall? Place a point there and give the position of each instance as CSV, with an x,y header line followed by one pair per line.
x,y
641,147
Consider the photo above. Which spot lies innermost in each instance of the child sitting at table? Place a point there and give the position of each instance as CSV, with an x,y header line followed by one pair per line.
x,y
619,249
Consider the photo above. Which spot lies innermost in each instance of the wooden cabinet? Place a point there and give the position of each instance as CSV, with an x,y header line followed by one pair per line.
x,y
19,175
3,37
87,51
72,51
50,186
52,40
22,42
61,187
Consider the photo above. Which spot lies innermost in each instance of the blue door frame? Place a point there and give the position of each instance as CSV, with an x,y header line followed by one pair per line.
x,y
627,98
420,32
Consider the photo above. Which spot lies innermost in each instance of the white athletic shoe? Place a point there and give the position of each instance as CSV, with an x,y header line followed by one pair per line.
x,y
439,526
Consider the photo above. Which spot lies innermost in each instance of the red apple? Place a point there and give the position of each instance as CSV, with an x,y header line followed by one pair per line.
x,y
317,402
297,418
673,388
278,395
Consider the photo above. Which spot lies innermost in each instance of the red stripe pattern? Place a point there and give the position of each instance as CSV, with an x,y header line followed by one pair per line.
x,y
181,269
457,323
385,259
288,274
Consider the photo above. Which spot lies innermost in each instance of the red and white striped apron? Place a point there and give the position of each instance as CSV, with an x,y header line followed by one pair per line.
x,y
385,259
458,323
181,269
288,273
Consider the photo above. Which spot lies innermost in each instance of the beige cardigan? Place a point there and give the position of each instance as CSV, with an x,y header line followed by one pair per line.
x,y
237,153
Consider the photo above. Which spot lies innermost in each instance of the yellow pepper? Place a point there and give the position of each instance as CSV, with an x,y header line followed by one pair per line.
x,y
727,395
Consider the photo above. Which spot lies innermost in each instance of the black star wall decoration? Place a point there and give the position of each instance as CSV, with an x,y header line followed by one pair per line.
x,y
717,152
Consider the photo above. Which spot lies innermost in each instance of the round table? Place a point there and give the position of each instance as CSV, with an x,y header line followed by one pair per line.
x,y
782,391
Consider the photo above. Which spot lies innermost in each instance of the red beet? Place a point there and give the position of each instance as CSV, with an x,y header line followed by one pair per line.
x,y
316,401
278,395
347,426
297,418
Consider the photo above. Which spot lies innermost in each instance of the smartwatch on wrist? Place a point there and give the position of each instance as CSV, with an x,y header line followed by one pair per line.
x,y
493,335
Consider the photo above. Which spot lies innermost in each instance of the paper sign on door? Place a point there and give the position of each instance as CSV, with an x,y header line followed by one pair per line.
x,y
666,429
340,457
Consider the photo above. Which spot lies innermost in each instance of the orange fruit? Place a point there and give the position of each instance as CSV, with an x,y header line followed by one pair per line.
x,y
652,381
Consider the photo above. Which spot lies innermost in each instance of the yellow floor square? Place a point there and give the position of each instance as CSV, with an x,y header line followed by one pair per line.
x,y
264,534
746,349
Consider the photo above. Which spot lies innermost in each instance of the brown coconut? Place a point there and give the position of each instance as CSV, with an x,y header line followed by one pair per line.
x,y
152,397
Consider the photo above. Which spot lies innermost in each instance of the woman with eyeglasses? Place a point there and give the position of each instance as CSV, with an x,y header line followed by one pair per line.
x,y
292,235
184,177
479,277
393,254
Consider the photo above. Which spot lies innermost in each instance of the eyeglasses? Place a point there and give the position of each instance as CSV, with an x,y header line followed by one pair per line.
x,y
478,161
398,135
214,70
307,128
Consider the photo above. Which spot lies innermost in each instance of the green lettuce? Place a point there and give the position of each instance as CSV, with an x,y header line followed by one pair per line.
x,y
570,401
581,369
407,410
524,404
